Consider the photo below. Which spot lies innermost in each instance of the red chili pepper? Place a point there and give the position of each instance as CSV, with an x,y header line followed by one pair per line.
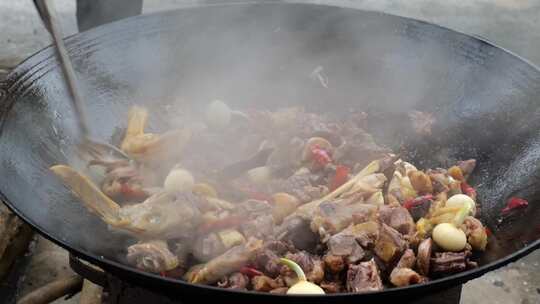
x,y
220,224
320,156
250,271
488,232
132,193
468,190
341,177
417,201
515,203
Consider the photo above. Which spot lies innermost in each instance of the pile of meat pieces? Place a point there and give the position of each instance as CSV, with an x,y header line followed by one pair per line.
x,y
377,249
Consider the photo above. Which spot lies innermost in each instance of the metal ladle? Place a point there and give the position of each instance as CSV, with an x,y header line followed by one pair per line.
x,y
93,147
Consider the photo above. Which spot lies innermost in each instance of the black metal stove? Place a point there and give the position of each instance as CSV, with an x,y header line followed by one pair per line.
x,y
118,291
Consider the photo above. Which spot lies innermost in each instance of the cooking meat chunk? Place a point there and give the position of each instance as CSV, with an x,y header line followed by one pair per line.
x,y
167,215
332,287
265,284
236,280
402,274
467,166
364,277
332,217
297,230
262,227
424,256
421,206
398,218
476,233
359,149
346,246
450,262
348,243
182,249
334,263
267,259
405,277
230,261
390,244
207,247
439,179
300,186
153,256
312,266
252,208
268,262
407,260
366,234
257,218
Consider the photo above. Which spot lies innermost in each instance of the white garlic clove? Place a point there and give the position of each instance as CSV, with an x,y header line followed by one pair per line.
x,y
449,238
460,200
179,180
218,114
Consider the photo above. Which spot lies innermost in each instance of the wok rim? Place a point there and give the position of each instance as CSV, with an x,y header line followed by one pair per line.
x,y
115,267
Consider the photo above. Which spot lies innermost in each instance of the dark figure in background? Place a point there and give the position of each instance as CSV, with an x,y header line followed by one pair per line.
x,y
91,13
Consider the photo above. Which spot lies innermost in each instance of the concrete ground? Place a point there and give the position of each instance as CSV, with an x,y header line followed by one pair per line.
x,y
513,24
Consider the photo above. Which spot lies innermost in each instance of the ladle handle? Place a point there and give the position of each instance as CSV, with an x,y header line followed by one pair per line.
x,y
47,13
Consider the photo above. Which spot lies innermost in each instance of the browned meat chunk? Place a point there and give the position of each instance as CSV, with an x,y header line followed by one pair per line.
x,y
420,207
230,261
332,287
297,231
421,182
268,262
234,281
405,277
261,227
346,246
398,218
439,179
312,266
207,247
359,149
450,262
334,263
267,259
390,244
467,166
402,274
332,217
364,277
424,256
300,186
266,284
153,256
407,260
259,222
476,233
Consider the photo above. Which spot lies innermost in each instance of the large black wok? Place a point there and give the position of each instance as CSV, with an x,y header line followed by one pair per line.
x,y
485,99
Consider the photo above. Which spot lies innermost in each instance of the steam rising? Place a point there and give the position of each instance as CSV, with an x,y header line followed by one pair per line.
x,y
327,60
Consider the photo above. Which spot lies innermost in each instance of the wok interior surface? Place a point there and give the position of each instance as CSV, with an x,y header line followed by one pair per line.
x,y
484,99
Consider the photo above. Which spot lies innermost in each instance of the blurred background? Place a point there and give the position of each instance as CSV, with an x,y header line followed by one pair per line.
x,y
511,24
